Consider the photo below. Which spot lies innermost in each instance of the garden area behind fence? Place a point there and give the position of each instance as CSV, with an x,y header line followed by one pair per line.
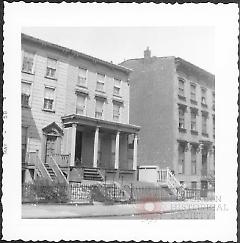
x,y
75,192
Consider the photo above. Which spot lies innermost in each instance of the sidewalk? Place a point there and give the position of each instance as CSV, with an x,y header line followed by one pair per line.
x,y
101,210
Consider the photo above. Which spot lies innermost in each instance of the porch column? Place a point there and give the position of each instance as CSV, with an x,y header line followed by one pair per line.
x,y
135,143
95,149
116,166
73,144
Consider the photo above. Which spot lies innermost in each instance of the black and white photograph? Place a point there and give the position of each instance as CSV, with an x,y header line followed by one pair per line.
x,y
110,124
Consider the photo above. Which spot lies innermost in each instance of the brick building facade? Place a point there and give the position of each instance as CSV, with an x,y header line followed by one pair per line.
x,y
174,103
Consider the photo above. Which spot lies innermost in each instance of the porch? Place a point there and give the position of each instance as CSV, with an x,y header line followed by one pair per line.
x,y
98,148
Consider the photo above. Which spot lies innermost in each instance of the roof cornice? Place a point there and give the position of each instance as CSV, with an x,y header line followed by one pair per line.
x,y
75,53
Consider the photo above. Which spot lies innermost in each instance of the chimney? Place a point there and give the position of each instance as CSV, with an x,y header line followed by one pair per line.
x,y
147,53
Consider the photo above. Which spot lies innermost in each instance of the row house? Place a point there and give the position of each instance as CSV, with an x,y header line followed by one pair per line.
x,y
174,103
75,116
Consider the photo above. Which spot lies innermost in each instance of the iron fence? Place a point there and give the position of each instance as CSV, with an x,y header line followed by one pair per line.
x,y
76,192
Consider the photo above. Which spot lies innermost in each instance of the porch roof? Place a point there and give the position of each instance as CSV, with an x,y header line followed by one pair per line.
x,y
93,122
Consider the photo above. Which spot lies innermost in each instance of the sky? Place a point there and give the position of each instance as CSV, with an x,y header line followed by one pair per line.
x,y
116,44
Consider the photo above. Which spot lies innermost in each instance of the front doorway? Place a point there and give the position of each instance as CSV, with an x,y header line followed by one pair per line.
x,y
204,163
204,188
51,145
78,148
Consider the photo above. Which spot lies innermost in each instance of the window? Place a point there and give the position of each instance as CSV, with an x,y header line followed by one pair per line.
x,y
181,158
181,118
28,61
24,143
193,92
194,185
81,104
213,119
99,109
51,68
204,96
193,121
117,86
26,91
49,98
116,112
194,160
213,100
100,82
204,124
181,87
82,77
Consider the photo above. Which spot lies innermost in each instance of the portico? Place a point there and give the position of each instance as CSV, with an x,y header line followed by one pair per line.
x,y
105,145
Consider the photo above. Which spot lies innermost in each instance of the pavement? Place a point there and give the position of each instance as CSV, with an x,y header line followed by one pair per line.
x,y
48,211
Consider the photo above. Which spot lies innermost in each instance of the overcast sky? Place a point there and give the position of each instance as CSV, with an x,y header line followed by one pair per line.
x,y
194,44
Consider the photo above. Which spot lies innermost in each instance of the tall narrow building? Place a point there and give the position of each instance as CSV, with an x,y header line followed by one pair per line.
x,y
174,103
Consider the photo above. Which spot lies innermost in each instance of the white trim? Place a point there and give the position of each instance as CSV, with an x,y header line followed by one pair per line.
x,y
31,91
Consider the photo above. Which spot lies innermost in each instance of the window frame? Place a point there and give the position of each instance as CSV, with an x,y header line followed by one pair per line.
x,y
204,91
85,103
86,77
47,66
193,161
30,96
103,104
101,82
194,99
179,118
117,86
182,161
26,149
204,124
181,93
119,116
34,60
54,98
193,121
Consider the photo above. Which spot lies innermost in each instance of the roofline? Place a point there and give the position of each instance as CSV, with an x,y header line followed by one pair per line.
x,y
178,59
75,53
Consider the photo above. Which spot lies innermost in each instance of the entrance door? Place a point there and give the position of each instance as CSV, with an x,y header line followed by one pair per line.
x,y
204,188
204,163
51,145
78,148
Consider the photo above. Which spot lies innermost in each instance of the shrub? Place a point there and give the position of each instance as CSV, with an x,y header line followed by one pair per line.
x,y
45,191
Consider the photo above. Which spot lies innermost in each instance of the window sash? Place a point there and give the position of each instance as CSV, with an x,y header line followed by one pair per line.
x,y
100,86
28,61
193,122
203,96
181,119
100,78
51,63
49,93
204,124
48,104
116,90
80,105
99,109
181,87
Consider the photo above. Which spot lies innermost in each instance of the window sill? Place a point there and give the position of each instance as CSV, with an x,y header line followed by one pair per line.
x,y
52,78
51,111
194,132
181,97
82,86
183,130
205,134
204,105
100,91
31,73
26,106
194,102
117,96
